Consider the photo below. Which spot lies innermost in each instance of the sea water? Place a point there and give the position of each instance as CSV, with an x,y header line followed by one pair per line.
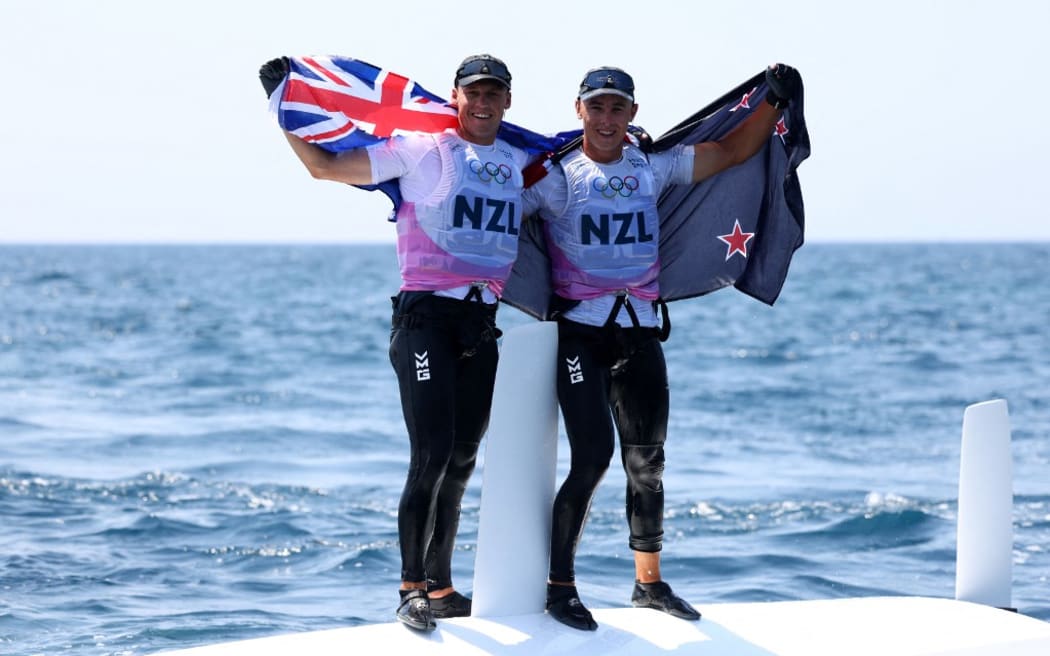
x,y
205,443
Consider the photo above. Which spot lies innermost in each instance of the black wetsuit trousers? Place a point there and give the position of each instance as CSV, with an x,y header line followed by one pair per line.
x,y
606,376
444,353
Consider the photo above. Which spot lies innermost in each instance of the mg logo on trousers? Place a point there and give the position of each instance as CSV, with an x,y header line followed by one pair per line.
x,y
422,365
575,370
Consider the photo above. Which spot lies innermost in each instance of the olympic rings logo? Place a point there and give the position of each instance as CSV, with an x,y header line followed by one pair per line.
x,y
616,186
487,171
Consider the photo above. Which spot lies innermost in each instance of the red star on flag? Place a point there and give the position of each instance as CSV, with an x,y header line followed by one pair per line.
x,y
736,240
780,129
745,102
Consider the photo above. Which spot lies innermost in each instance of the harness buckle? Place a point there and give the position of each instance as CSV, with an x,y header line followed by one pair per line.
x,y
476,288
623,301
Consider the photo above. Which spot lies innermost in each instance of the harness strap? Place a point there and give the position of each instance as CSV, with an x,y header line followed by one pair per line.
x,y
622,301
665,319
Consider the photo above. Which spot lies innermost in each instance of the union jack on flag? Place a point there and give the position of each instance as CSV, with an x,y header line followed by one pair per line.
x,y
340,103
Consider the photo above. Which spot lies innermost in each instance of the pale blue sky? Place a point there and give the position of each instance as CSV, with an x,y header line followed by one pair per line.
x,y
141,121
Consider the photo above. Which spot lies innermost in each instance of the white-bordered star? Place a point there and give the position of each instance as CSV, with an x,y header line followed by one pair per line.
x,y
736,240
745,102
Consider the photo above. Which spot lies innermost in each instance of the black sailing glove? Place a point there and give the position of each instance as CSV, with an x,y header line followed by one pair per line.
x,y
783,82
272,73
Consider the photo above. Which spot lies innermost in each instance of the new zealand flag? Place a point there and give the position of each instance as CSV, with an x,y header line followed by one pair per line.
x,y
740,227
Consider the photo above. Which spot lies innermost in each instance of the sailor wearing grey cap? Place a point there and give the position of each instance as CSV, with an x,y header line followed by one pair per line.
x,y
603,235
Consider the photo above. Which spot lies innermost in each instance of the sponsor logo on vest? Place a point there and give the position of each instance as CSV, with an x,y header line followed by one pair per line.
x,y
575,370
422,365
630,228
488,214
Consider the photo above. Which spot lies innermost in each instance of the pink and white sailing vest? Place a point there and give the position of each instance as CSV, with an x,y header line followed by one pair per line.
x,y
607,238
466,231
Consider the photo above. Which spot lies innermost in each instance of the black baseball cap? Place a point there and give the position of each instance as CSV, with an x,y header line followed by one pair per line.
x,y
607,79
482,67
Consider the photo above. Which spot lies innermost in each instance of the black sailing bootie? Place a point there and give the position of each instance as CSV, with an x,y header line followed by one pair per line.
x,y
564,605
